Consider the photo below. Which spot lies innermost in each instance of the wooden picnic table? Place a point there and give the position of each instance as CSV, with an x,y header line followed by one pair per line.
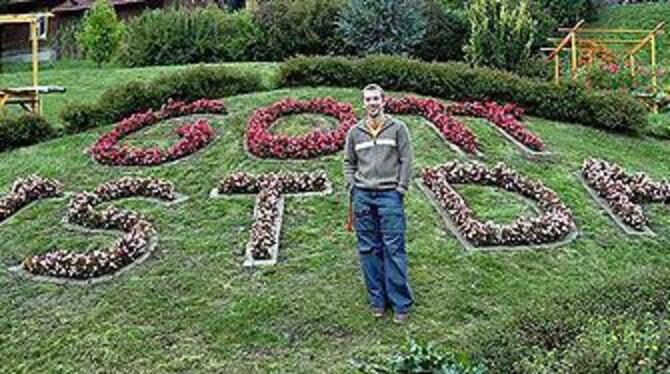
x,y
27,97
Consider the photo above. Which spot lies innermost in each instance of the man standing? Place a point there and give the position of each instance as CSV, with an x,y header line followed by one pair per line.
x,y
377,168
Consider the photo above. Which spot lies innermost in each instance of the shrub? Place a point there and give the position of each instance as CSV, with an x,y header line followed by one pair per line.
x,y
568,329
211,82
24,130
501,33
446,33
100,32
619,345
292,27
568,12
383,26
454,81
178,36
64,42
421,358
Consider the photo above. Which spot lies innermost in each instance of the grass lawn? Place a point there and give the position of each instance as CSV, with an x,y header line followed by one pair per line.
x,y
643,16
84,83
193,308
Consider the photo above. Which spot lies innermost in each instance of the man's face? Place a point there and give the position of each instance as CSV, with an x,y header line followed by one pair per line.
x,y
373,102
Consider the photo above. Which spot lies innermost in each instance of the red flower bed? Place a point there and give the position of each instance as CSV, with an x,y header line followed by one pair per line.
x,y
506,117
435,112
554,223
625,193
25,191
193,136
270,189
262,143
138,233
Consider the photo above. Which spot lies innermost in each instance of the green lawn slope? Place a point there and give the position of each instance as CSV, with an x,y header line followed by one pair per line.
x,y
193,308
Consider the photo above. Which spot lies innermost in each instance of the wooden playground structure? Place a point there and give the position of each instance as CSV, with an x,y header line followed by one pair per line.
x,y
28,97
585,46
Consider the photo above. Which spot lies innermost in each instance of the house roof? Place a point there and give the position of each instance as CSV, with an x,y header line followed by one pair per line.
x,y
79,5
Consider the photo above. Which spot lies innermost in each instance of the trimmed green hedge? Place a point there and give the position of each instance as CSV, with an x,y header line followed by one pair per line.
x,y
456,81
24,130
212,82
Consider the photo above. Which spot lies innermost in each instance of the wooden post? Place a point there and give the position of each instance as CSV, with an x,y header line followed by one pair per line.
x,y
252,5
35,58
557,70
573,54
654,76
632,65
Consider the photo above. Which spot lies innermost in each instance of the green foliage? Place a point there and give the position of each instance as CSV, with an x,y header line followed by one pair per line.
x,y
638,16
382,26
454,81
135,96
176,36
100,33
568,12
65,40
502,33
292,27
80,117
422,358
446,33
616,327
610,345
24,130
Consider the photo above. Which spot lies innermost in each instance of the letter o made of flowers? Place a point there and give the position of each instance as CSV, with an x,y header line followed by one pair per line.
x,y
193,136
262,143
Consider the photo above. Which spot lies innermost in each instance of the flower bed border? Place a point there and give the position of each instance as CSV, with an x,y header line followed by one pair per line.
x,y
108,192
523,232
515,112
647,231
423,108
249,260
262,127
470,247
171,110
58,193
151,247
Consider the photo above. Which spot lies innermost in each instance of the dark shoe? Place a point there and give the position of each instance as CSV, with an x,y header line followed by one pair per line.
x,y
378,312
400,318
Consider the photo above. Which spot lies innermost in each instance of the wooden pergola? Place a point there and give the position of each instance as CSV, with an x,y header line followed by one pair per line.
x,y
584,42
29,96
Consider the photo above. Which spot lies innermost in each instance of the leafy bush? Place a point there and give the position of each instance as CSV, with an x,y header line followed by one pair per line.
x,y
178,36
617,345
569,12
64,42
501,33
421,358
569,102
24,130
570,333
189,84
446,33
292,27
100,32
382,26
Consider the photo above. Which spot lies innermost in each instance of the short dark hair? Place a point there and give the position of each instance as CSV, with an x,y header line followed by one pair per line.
x,y
374,87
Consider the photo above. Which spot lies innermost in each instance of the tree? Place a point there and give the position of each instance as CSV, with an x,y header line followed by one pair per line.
x,y
501,33
382,26
101,32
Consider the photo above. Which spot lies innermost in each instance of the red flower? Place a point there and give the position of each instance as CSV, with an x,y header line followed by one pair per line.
x,y
193,136
262,143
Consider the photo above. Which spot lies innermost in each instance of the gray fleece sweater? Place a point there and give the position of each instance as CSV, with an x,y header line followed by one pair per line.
x,y
384,162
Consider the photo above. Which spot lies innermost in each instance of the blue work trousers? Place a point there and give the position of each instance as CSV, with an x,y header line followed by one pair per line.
x,y
379,219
